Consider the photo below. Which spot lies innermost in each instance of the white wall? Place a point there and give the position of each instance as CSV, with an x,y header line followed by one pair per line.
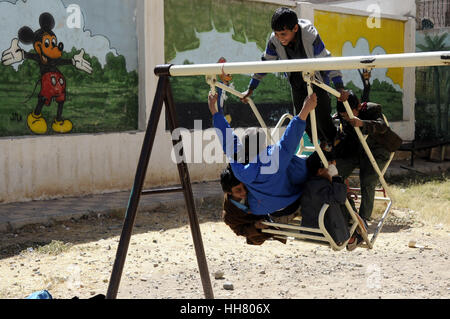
x,y
53,166
394,7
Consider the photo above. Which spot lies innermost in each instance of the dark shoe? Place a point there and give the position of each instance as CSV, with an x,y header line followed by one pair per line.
x,y
354,242
362,225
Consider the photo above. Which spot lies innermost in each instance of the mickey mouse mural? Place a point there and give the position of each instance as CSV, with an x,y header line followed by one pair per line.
x,y
53,84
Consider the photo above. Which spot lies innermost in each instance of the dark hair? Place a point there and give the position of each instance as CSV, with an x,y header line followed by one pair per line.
x,y
228,180
352,100
313,163
284,19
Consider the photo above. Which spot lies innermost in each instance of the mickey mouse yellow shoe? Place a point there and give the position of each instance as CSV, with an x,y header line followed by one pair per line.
x,y
62,127
37,124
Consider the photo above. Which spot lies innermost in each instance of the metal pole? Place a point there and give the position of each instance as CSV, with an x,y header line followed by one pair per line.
x,y
435,58
137,189
189,198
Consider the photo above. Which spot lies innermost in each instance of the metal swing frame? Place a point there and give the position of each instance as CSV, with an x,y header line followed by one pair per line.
x,y
163,95
294,230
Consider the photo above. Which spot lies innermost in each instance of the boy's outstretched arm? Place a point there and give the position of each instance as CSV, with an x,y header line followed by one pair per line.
x,y
231,144
309,105
285,149
269,55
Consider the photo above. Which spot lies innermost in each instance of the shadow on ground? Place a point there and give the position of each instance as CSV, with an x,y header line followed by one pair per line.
x,y
94,227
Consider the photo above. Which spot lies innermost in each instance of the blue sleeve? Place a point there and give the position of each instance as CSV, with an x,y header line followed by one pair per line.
x,y
219,100
226,134
253,84
231,146
270,54
318,46
338,83
289,142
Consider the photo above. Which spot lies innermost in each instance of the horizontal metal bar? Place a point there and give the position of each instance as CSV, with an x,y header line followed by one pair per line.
x,y
295,235
163,190
290,226
315,65
380,198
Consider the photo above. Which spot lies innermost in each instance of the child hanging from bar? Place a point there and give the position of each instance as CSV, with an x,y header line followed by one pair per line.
x,y
272,174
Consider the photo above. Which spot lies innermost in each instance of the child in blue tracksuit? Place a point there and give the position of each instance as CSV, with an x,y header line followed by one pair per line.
x,y
274,177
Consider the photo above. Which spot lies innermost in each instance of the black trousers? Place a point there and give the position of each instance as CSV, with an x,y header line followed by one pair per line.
x,y
325,127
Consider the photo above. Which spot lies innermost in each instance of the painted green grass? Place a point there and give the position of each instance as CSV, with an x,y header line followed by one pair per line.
x,y
273,89
276,89
92,108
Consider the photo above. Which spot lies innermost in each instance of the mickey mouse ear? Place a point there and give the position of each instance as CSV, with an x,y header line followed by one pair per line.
x,y
46,21
26,35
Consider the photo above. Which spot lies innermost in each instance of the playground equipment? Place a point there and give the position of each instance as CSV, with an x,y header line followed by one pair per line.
x,y
308,67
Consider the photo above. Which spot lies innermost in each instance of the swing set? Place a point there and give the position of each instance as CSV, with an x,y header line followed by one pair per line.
x,y
308,67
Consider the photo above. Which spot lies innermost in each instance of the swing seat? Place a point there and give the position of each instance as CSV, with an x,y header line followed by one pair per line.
x,y
317,235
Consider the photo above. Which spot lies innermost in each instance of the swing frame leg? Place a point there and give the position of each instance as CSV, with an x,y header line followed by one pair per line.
x,y
163,95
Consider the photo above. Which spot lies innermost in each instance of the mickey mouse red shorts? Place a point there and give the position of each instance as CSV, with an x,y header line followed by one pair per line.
x,y
53,86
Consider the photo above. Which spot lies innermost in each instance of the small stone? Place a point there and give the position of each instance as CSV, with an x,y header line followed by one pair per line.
x,y
219,275
228,286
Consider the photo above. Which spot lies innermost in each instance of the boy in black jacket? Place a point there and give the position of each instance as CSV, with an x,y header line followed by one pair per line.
x,y
350,154
326,187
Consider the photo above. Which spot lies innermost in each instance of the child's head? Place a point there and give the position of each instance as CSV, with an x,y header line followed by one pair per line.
x,y
231,185
354,105
316,168
285,25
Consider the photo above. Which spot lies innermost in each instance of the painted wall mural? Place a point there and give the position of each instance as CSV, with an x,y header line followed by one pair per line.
x,y
68,67
203,31
349,35
432,88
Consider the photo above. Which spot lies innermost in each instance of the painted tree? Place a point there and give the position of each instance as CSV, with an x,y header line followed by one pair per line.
x,y
436,43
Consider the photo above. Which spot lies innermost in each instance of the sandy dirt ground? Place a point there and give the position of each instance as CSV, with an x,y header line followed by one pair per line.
x,y
161,261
